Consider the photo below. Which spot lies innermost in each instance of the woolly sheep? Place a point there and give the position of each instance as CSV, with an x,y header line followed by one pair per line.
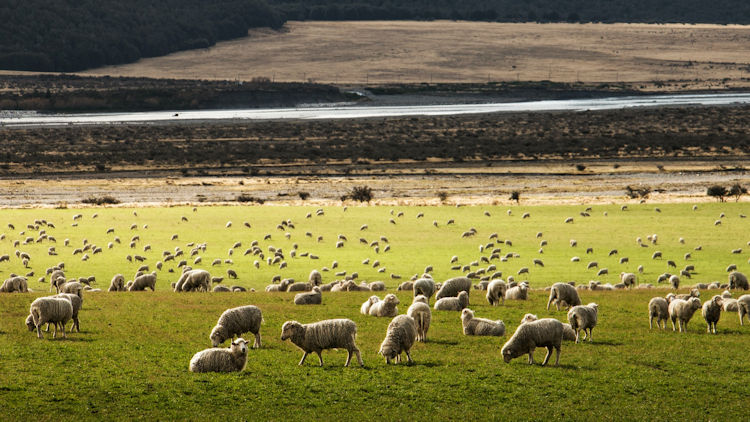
x,y
313,297
519,292
738,280
54,310
658,308
193,280
321,335
376,286
77,303
400,337
386,307
686,296
230,359
743,307
681,311
424,287
546,332
453,303
568,333
674,281
480,326
315,278
711,312
453,286
563,293
496,292
144,281
628,279
117,284
281,287
583,317
15,284
365,308
406,285
299,287
73,287
221,289
235,322
422,315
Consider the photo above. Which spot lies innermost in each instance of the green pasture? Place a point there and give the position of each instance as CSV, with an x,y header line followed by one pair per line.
x,y
130,359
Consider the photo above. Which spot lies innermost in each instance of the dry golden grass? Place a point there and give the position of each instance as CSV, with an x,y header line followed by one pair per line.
x,y
446,51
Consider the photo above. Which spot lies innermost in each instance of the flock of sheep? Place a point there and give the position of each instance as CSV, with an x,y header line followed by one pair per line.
x,y
404,329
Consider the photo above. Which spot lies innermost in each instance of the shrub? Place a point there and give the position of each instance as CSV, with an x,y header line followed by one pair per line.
x,y
737,190
580,167
515,196
102,200
635,193
443,196
303,195
249,198
360,193
717,191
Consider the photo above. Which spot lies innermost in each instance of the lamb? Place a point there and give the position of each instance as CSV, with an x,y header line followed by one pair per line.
x,y
546,332
712,312
365,308
519,292
568,333
422,315
496,292
117,284
683,310
563,293
231,359
321,335
144,281
481,326
235,322
738,280
193,280
15,284
583,317
658,308
424,287
400,337
628,279
313,297
453,286
743,307
386,307
77,303
55,310
453,303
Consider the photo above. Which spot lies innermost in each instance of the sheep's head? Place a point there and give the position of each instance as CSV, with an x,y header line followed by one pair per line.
x,y
670,297
388,352
289,329
218,335
467,314
528,318
30,323
420,298
391,299
509,353
695,293
717,300
694,303
593,305
239,345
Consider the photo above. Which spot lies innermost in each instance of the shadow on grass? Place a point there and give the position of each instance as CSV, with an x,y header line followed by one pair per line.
x,y
448,342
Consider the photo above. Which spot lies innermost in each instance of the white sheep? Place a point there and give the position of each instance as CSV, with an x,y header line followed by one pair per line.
x,y
422,315
235,322
321,335
628,279
711,312
386,307
453,286
314,297
730,305
453,303
738,280
230,359
54,310
73,287
681,311
674,281
15,284
117,284
77,303
193,280
481,326
424,287
583,317
565,294
568,333
400,337
519,292
144,281
658,308
743,307
315,278
546,332
496,292
365,308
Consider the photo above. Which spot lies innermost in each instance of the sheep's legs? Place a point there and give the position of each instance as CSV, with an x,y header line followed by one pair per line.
x,y
549,353
651,322
39,331
531,356
320,358
257,343
578,332
408,357
673,327
348,358
359,357
304,356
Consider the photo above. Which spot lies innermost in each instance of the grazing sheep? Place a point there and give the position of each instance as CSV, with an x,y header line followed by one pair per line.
x,y
422,315
299,287
518,292
496,292
731,267
386,307
281,287
547,332
712,312
738,280
365,308
315,278
683,310
313,297
592,264
565,294
658,308
375,286
425,287
628,279
236,321
77,303
568,333
674,281
54,310
193,280
15,284
231,273
453,303
230,359
583,317
743,307
321,335
453,286
481,326
221,289
117,284
400,337
73,287
144,281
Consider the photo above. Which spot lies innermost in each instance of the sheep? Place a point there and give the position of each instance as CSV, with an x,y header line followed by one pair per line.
x,y
453,286
711,312
674,281
321,335
365,308
73,287
658,308
400,337
519,292
743,307
313,297
315,278
565,294
422,315
117,284
425,287
592,264
683,310
546,332
386,307
193,280
583,317
496,292
481,326
235,322
144,281
686,296
731,267
628,279
221,289
738,280
299,287
230,359
55,310
15,284
568,333
453,303
77,303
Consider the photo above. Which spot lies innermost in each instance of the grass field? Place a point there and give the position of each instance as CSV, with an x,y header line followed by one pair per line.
x,y
130,360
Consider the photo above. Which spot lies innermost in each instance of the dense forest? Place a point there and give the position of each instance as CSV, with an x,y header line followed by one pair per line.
x,y
71,35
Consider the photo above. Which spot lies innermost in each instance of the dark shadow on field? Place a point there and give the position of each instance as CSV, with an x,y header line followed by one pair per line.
x,y
448,342
75,339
